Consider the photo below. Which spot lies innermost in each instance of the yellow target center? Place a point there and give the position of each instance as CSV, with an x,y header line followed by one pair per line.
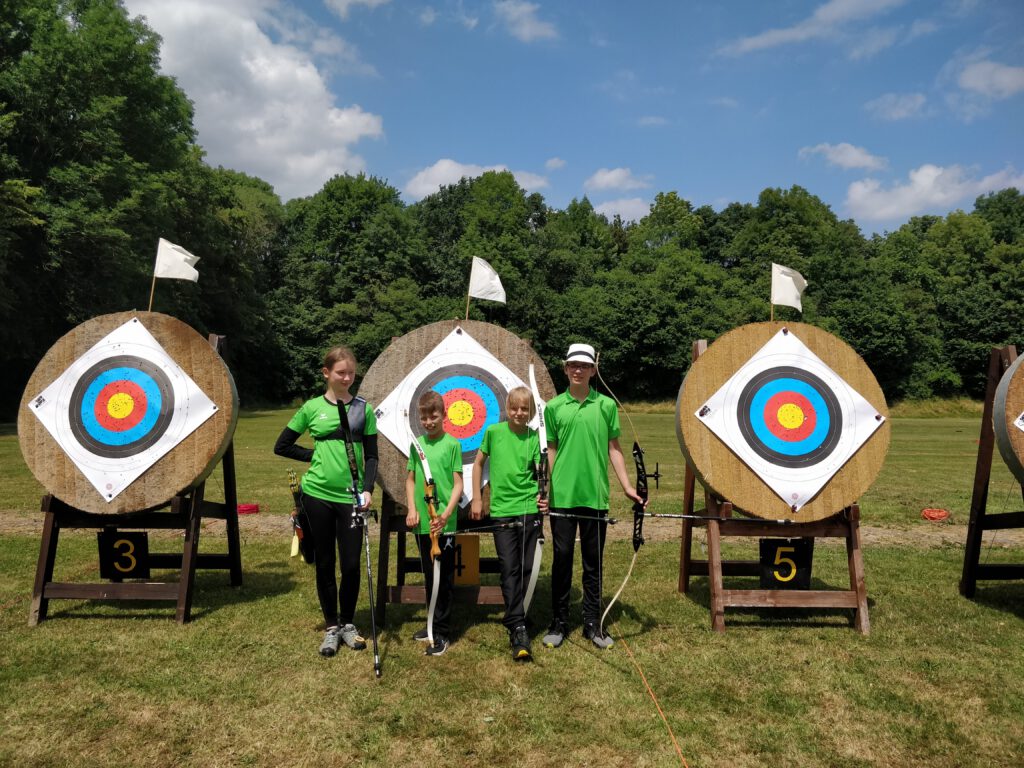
x,y
460,413
121,405
791,416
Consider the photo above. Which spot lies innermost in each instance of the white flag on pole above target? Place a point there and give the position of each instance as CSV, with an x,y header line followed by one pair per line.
x,y
175,262
484,282
787,286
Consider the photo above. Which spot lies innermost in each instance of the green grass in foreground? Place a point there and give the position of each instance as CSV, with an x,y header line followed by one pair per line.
x,y
938,682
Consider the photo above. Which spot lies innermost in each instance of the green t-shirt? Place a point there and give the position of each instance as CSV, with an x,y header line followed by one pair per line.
x,y
328,477
581,433
513,486
444,456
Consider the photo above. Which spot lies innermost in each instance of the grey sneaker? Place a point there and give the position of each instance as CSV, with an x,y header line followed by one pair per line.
x,y
439,647
556,634
421,635
593,633
350,636
332,639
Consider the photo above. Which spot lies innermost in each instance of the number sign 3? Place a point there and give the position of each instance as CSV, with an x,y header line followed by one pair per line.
x,y
123,554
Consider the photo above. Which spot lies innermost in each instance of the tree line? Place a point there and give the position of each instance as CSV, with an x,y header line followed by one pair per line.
x,y
98,159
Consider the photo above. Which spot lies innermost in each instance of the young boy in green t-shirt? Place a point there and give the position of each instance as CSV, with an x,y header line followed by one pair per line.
x,y
583,432
443,455
512,449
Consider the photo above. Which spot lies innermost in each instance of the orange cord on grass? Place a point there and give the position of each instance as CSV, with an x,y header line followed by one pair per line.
x,y
654,698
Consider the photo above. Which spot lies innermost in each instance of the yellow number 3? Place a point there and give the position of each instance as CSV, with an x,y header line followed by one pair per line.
x,y
779,560
127,554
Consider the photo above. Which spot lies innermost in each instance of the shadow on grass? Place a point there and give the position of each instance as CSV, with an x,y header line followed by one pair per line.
x,y
1008,596
211,593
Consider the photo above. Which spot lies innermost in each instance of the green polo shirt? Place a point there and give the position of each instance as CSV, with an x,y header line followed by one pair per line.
x,y
444,456
513,486
328,477
581,432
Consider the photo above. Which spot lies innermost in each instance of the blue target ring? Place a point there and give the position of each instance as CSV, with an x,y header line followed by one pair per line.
x,y
104,377
767,437
472,379
154,403
764,438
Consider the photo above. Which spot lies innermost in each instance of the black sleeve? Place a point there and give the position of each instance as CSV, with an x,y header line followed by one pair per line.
x,y
370,461
285,446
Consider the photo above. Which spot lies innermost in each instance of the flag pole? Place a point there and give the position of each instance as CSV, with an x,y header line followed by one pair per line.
x,y
467,305
152,290
771,317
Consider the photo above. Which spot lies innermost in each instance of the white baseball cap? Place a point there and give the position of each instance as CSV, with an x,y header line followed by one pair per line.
x,y
581,353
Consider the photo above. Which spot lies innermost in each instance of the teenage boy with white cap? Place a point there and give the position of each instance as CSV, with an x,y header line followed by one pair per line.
x,y
583,432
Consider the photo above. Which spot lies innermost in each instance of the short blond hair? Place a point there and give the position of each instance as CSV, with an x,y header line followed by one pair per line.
x,y
521,395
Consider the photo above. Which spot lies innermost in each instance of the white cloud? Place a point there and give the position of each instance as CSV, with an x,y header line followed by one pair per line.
x,y
651,121
342,7
520,18
991,79
630,208
725,101
873,41
615,178
846,156
428,16
447,171
826,21
921,28
931,188
260,107
554,164
897,106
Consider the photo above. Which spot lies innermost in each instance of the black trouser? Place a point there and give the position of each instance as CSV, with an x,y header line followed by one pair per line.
x,y
515,548
443,607
563,538
331,524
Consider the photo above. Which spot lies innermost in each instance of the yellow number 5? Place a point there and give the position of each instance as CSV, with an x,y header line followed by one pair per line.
x,y
779,560
127,553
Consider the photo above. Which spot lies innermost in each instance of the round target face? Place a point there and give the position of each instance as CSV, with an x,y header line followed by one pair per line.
x,y
473,400
121,406
789,417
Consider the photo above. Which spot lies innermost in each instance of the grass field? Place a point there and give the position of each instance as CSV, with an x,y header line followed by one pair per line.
x,y
939,681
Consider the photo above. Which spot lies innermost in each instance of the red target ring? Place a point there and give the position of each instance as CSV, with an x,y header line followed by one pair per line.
x,y
120,405
790,416
464,413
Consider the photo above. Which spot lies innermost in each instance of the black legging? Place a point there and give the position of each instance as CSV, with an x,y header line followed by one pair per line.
x,y
331,522
563,539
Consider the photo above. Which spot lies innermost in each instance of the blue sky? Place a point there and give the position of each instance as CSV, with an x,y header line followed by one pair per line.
x,y
885,109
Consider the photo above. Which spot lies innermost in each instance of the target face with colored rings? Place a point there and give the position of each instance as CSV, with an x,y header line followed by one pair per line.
x,y
789,416
474,399
121,406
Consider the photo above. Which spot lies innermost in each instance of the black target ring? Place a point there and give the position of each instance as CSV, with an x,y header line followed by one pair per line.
x,y
135,374
485,393
758,434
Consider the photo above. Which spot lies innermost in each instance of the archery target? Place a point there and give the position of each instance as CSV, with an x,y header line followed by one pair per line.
x,y
790,418
121,407
1007,418
473,384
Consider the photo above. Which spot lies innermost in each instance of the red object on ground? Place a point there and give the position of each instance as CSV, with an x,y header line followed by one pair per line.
x,y
936,515
248,509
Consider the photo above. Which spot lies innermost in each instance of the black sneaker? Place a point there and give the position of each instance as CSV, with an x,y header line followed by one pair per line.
x,y
439,647
556,634
421,635
593,633
520,642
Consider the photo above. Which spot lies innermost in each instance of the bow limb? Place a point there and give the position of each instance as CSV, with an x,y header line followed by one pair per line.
x,y
430,497
541,473
538,553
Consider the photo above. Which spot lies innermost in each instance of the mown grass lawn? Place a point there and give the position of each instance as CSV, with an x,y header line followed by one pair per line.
x,y
939,681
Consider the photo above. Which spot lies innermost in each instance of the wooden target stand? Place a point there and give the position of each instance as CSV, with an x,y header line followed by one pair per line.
x,y
73,503
396,362
724,476
1004,401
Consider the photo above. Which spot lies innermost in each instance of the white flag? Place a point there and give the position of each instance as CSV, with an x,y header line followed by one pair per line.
x,y
484,282
174,261
787,286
